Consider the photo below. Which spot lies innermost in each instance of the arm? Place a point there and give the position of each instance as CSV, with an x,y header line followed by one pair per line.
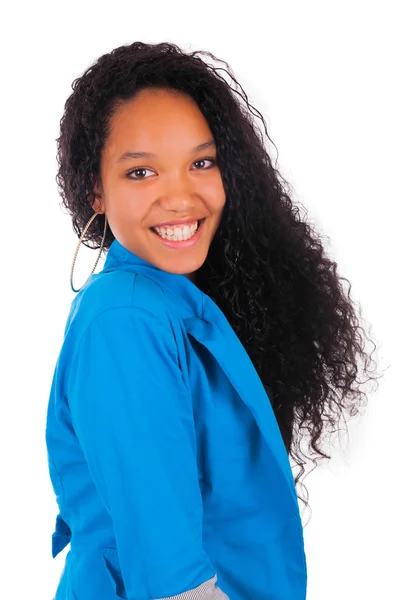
x,y
133,418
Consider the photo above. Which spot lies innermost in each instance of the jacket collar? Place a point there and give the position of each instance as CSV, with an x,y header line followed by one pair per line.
x,y
183,291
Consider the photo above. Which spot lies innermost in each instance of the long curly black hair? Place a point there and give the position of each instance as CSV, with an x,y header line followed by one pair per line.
x,y
266,267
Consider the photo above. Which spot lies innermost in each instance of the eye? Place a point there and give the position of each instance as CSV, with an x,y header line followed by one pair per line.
x,y
201,160
138,169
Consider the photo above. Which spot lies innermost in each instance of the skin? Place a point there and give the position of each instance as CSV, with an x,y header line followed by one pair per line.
x,y
176,184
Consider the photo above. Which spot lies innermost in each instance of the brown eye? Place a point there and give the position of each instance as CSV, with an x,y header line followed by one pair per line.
x,y
202,160
140,170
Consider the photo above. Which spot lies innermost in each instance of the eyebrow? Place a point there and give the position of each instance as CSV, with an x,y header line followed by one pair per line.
x,y
127,155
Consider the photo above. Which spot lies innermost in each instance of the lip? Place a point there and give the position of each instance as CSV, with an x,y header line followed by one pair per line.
x,y
172,223
184,243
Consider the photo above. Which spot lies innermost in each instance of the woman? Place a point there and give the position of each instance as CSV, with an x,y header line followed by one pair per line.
x,y
215,334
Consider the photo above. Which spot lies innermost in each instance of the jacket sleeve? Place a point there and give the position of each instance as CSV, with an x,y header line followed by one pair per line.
x,y
133,418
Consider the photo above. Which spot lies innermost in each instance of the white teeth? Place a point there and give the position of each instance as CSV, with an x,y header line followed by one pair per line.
x,y
177,233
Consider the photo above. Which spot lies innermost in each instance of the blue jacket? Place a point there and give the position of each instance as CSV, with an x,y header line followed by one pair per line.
x,y
165,456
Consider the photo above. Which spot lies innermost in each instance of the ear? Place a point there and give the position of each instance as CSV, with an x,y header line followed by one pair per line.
x,y
98,206
96,199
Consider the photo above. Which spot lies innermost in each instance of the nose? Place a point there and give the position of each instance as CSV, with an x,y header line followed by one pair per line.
x,y
179,194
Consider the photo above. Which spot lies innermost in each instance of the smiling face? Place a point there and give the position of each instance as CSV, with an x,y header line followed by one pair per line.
x,y
176,183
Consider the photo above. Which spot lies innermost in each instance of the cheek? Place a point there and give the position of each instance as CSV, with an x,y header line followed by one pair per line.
x,y
216,217
220,197
219,204
129,204
215,194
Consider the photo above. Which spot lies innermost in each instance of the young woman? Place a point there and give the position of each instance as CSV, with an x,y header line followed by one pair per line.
x,y
215,335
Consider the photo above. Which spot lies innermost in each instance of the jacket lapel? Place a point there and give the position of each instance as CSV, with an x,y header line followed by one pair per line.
x,y
216,334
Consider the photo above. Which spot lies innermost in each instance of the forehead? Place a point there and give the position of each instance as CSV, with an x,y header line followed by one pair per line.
x,y
157,121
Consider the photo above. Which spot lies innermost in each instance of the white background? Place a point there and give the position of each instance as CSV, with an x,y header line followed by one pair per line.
x,y
325,77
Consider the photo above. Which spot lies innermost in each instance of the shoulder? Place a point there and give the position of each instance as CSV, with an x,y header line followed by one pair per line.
x,y
122,312
112,293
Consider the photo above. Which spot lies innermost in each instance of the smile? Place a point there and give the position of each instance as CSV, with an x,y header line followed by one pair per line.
x,y
175,240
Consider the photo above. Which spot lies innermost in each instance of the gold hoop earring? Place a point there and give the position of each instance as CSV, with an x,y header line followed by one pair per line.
x,y
79,243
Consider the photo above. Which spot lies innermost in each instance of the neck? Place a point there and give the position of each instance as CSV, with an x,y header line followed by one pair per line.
x,y
191,276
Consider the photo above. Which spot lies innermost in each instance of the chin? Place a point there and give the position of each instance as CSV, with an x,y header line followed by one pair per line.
x,y
189,269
